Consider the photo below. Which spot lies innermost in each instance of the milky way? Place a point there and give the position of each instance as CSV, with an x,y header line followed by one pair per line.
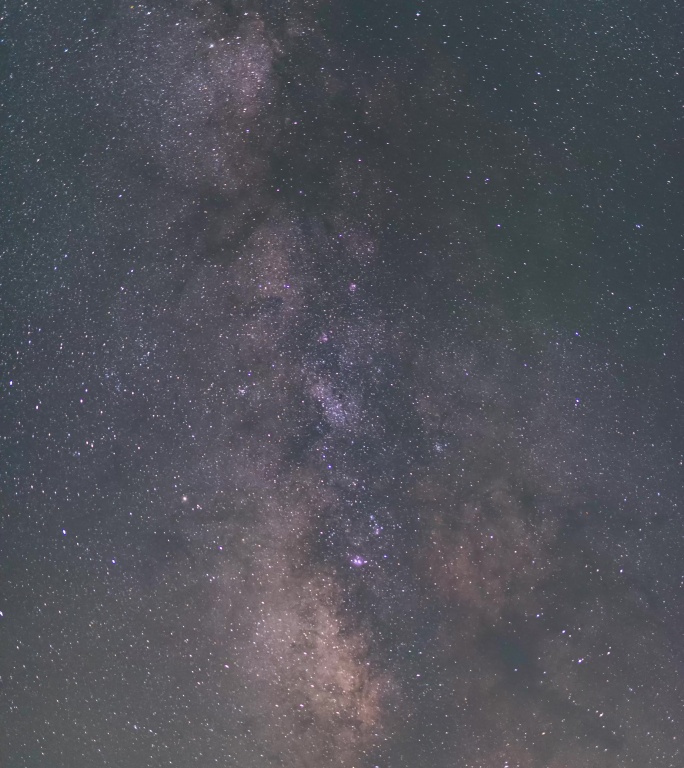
x,y
339,418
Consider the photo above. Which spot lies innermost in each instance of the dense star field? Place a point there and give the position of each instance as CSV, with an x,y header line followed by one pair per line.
x,y
340,379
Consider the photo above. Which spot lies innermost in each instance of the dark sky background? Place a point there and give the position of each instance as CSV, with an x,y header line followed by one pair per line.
x,y
340,367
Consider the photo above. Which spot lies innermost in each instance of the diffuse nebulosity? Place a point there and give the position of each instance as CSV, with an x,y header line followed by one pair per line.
x,y
394,526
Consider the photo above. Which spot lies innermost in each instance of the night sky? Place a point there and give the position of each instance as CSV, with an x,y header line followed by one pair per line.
x,y
341,368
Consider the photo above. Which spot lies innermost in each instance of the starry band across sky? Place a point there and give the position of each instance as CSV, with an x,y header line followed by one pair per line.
x,y
341,366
